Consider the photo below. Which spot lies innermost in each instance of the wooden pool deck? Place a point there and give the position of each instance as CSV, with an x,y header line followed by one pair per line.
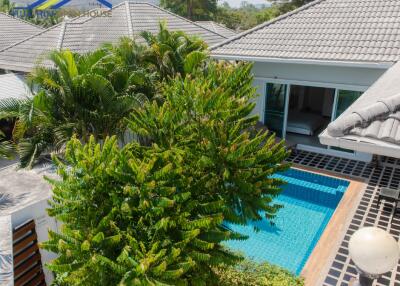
x,y
330,264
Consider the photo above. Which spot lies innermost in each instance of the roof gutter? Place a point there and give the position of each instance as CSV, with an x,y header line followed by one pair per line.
x,y
377,65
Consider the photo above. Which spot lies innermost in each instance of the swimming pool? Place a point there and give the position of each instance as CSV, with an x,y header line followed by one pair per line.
x,y
309,202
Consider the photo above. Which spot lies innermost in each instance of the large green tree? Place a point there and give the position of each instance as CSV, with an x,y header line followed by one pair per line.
x,y
154,214
192,9
208,114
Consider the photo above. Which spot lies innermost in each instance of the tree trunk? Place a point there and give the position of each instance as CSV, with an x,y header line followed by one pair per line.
x,y
189,7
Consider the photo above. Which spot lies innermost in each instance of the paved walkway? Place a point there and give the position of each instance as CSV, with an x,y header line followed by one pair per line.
x,y
387,174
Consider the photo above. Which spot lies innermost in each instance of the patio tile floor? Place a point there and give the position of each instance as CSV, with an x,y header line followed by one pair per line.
x,y
368,213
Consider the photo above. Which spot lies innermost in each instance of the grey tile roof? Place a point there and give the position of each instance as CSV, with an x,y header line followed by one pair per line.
x,y
13,86
327,30
373,119
87,33
218,28
13,30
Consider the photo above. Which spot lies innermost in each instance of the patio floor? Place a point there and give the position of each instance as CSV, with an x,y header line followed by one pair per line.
x,y
342,270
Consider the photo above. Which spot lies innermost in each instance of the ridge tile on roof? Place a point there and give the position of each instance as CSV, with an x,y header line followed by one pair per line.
x,y
218,28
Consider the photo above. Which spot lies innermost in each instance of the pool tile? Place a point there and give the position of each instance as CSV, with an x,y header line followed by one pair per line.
x,y
309,202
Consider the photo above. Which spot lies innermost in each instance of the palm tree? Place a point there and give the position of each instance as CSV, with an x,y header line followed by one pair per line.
x,y
173,53
82,94
92,94
6,148
128,57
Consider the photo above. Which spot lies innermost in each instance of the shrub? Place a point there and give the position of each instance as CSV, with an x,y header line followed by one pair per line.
x,y
126,221
249,273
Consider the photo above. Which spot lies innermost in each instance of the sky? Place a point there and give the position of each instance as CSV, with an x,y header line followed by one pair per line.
x,y
236,3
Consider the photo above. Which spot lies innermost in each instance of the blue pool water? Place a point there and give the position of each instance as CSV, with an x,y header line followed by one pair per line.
x,y
309,202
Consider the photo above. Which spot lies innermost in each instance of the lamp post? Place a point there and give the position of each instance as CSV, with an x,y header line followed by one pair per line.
x,y
374,252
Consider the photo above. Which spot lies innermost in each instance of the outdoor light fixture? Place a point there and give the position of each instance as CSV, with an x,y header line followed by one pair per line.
x,y
374,252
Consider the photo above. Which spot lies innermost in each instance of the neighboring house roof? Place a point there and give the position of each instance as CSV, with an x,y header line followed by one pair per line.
x,y
19,191
218,28
324,30
13,30
372,123
13,86
84,34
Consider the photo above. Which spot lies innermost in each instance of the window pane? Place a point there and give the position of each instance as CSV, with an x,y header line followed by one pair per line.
x,y
345,99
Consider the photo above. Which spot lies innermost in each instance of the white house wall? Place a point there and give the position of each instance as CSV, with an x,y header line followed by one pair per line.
x,y
260,100
326,76
43,223
6,252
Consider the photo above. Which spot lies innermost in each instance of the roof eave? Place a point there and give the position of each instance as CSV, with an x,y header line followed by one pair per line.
x,y
376,65
360,144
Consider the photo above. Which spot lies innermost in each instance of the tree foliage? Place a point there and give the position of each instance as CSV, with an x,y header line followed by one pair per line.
x,y
50,19
194,10
154,214
6,148
93,93
209,114
5,6
173,52
128,219
249,273
248,15
82,95
285,6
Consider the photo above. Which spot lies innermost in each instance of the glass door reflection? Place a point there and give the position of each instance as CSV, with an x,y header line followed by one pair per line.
x,y
275,105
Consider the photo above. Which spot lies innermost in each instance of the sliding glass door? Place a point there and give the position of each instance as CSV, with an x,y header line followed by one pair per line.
x,y
275,107
345,98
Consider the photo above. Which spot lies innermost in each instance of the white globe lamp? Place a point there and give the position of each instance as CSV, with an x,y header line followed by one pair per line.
x,y
374,252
